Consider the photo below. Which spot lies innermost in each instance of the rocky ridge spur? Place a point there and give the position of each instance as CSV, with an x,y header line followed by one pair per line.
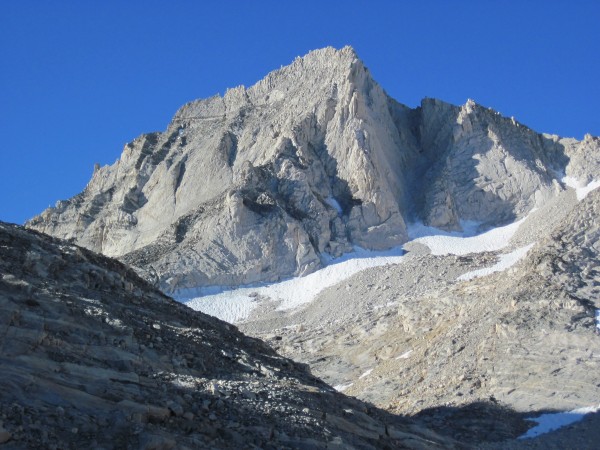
x,y
91,356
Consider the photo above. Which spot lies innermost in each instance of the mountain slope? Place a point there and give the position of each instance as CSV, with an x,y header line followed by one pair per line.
x,y
417,338
268,182
91,356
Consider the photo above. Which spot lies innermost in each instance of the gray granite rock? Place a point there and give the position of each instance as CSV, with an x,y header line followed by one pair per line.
x,y
264,182
470,358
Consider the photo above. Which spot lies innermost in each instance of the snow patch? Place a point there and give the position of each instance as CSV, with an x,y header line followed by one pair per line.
x,y
598,320
299,291
235,305
366,374
342,387
506,261
465,242
405,355
228,306
554,421
581,189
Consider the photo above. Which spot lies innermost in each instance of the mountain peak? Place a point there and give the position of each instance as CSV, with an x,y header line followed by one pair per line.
x,y
315,72
331,53
248,179
320,64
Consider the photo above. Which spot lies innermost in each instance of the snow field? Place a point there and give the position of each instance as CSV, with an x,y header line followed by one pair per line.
x,y
236,305
581,189
457,243
506,261
232,306
554,421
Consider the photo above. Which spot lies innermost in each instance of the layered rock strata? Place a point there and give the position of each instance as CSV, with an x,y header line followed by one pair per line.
x,y
91,356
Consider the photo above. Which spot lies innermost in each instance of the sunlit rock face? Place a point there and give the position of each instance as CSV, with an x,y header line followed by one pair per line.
x,y
268,181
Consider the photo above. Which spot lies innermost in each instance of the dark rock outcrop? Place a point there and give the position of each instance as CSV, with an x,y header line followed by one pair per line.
x,y
91,356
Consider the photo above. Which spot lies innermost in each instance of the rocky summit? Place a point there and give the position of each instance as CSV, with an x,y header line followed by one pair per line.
x,y
91,356
270,181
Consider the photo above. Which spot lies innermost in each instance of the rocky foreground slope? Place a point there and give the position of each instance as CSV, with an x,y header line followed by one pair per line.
x,y
269,181
91,356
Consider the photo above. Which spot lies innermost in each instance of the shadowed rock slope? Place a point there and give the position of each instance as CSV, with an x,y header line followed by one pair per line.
x,y
267,181
91,356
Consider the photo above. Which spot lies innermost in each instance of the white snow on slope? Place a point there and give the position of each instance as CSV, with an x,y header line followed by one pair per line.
x,y
405,355
236,305
463,243
506,261
598,320
581,189
299,291
366,374
554,421
231,306
342,387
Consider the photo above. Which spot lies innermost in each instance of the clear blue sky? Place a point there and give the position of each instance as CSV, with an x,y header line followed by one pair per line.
x,y
80,78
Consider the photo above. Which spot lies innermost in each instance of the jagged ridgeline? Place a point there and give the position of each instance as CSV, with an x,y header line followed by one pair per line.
x,y
266,182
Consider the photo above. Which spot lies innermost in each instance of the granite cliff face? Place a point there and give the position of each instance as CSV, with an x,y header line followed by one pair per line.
x,y
268,182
